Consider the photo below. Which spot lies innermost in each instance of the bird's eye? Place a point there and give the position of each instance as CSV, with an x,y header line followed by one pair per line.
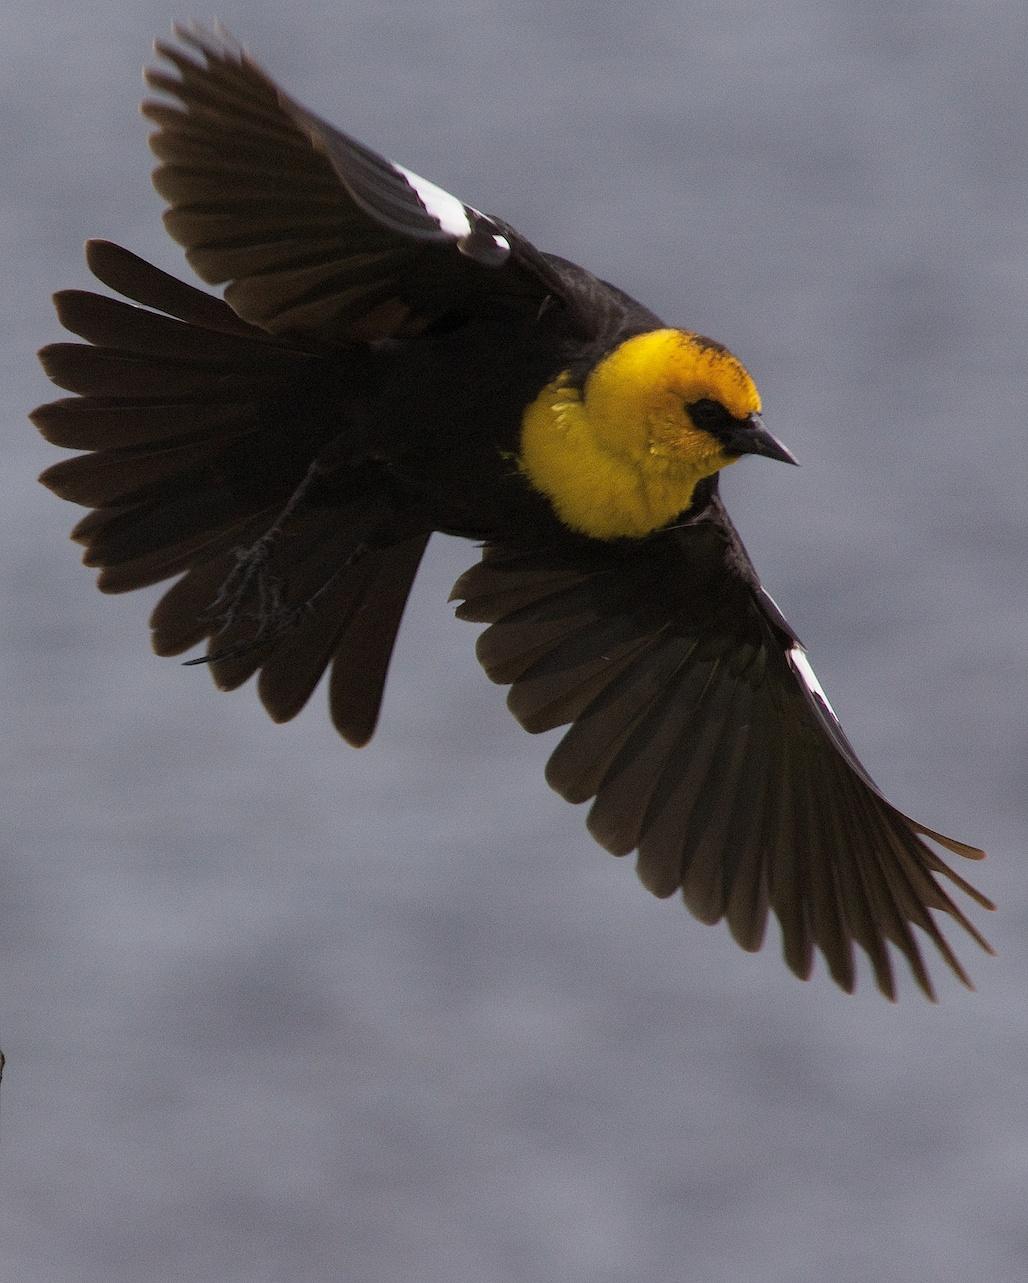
x,y
708,414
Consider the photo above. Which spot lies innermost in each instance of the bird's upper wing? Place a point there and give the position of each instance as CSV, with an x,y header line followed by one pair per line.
x,y
707,744
315,233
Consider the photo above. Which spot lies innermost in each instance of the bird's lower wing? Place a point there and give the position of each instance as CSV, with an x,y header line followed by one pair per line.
x,y
700,733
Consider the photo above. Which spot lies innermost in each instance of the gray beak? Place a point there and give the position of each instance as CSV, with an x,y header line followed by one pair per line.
x,y
753,438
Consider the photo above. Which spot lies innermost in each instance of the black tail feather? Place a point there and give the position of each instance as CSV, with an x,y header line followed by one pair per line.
x,y
199,429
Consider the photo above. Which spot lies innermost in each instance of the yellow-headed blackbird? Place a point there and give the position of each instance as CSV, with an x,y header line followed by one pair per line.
x,y
389,362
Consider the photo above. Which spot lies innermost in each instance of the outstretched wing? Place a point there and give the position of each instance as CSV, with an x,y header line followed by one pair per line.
x,y
317,234
706,743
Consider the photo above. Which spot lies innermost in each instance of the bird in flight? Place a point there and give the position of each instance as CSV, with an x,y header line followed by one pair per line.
x,y
388,362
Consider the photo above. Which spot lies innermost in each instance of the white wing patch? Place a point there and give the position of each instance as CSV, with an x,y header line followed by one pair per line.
x,y
801,667
447,210
452,215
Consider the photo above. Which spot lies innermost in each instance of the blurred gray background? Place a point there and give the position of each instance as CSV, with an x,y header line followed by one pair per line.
x,y
278,1010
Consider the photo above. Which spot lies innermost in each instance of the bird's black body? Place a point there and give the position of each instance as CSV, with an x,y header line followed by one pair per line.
x,y
289,451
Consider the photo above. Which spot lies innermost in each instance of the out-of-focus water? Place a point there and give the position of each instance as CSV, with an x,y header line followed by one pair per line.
x,y
276,1010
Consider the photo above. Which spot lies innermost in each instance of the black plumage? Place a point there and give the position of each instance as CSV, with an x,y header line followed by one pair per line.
x,y
289,451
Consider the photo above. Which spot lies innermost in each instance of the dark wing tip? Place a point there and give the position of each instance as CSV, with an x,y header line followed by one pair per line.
x,y
958,848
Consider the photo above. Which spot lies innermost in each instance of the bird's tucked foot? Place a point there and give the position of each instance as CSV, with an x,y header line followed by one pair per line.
x,y
252,591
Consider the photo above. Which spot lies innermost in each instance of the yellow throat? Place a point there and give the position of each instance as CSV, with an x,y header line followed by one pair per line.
x,y
621,457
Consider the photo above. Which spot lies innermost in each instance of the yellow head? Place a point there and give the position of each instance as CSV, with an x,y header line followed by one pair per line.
x,y
622,457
